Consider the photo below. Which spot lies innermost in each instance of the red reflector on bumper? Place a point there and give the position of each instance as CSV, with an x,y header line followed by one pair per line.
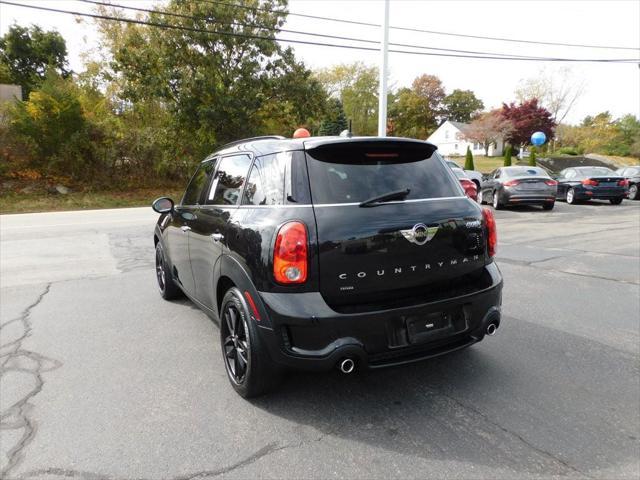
x,y
252,305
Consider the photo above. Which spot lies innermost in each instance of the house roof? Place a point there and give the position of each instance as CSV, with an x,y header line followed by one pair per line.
x,y
459,125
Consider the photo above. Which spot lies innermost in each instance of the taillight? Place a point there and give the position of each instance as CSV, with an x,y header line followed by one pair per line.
x,y
511,183
623,183
551,183
492,231
290,254
591,182
467,183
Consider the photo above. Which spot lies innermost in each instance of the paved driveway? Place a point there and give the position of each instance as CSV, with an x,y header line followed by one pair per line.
x,y
101,378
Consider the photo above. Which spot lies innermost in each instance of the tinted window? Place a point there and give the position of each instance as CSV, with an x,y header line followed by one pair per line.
x,y
228,180
570,174
266,181
198,181
342,180
524,171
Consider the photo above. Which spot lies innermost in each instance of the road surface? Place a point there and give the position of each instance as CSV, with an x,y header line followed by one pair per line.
x,y
101,378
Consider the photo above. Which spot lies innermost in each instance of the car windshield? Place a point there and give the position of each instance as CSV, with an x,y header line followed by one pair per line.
x,y
524,172
594,172
341,180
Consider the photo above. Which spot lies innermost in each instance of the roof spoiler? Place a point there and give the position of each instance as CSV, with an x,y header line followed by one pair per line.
x,y
370,150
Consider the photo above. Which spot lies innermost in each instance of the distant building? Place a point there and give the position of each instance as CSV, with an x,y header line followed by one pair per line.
x,y
449,137
10,93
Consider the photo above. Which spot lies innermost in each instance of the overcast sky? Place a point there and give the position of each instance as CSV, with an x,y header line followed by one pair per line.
x,y
612,87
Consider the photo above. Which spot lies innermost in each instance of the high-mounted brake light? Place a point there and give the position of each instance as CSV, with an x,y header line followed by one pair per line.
x,y
381,155
590,182
492,231
511,183
551,183
290,254
623,183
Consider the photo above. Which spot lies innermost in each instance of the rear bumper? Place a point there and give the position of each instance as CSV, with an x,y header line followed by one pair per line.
x,y
600,194
307,334
533,198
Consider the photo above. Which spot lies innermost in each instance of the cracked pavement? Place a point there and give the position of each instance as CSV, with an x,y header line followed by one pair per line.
x,y
102,379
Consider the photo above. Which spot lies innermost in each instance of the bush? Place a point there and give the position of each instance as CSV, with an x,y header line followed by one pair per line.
x,y
532,157
568,151
468,161
507,156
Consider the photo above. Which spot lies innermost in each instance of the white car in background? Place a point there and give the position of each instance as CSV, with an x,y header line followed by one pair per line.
x,y
474,175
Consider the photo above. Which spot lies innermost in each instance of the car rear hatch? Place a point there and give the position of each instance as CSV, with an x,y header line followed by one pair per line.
x,y
430,241
606,185
531,185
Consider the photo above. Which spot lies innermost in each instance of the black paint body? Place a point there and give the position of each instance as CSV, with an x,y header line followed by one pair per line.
x,y
370,292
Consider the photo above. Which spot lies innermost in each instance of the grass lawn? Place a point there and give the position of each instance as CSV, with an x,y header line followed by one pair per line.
x,y
38,202
483,164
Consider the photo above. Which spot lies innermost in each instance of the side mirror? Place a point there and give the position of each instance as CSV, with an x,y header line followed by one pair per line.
x,y
162,205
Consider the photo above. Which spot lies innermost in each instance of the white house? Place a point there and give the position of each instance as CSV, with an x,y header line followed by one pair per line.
x,y
449,138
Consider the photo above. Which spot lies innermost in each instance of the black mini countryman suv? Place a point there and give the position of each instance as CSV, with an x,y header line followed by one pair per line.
x,y
328,252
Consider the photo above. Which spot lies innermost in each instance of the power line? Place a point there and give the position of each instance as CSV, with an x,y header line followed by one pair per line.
x,y
420,30
306,42
298,32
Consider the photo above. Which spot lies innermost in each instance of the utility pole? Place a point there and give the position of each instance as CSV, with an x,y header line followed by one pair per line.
x,y
384,57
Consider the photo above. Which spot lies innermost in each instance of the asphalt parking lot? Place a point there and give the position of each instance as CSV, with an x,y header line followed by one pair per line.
x,y
101,378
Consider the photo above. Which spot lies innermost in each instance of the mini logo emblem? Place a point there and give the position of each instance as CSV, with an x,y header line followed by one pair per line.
x,y
420,233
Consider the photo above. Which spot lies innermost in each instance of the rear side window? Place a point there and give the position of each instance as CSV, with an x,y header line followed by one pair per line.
x,y
198,181
228,180
358,176
266,181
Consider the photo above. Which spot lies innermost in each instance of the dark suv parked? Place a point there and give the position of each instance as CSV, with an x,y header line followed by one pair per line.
x,y
330,252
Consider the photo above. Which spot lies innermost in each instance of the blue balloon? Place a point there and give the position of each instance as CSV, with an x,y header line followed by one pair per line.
x,y
538,138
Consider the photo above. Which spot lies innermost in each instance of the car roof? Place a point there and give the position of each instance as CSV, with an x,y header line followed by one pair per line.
x,y
273,144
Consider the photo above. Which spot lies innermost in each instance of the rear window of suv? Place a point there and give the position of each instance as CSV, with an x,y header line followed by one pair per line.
x,y
354,177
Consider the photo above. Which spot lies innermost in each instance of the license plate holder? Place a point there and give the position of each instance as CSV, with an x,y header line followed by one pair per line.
x,y
430,326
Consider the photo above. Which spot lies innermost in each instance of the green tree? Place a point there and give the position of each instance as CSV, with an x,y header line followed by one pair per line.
x,y
468,161
507,156
215,86
27,53
416,111
356,85
532,157
335,120
462,105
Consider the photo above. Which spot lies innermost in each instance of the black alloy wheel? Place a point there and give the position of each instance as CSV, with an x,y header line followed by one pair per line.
x,y
168,287
235,343
250,369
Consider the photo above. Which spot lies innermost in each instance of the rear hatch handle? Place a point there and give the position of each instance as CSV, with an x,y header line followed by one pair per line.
x,y
386,197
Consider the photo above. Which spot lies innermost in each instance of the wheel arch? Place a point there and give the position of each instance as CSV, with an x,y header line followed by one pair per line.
x,y
233,274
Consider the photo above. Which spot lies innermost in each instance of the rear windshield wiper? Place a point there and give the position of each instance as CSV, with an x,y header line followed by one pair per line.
x,y
387,197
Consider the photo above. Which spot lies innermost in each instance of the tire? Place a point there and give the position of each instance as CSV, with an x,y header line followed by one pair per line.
x,y
496,201
633,192
548,205
571,196
249,368
169,289
616,201
480,199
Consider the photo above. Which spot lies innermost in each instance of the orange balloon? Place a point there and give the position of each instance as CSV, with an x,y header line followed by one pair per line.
x,y
301,133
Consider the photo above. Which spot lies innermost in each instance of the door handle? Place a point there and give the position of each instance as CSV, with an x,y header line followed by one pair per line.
x,y
185,228
217,237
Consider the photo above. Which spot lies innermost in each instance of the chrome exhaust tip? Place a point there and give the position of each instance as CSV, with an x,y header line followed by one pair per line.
x,y
491,329
347,365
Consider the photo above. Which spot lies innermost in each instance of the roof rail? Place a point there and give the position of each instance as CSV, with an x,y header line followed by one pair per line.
x,y
244,140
